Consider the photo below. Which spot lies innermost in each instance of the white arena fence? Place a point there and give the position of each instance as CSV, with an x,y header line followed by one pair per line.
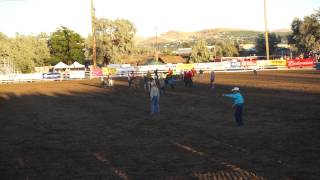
x,y
122,70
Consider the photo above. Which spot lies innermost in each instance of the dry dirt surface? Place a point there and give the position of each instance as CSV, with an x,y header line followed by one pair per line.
x,y
78,130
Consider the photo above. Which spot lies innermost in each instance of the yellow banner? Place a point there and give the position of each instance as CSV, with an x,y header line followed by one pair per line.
x,y
184,67
278,62
109,71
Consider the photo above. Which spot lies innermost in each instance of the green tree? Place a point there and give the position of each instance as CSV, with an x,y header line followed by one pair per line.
x,y
67,46
26,52
274,40
4,45
186,45
306,33
200,52
114,40
224,49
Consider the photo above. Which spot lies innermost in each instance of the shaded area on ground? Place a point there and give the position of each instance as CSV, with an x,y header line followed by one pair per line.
x,y
78,130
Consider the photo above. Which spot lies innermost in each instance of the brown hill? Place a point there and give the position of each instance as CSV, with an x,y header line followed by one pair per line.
x,y
217,33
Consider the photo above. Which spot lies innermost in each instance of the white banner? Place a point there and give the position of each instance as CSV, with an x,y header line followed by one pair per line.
x,y
77,74
204,66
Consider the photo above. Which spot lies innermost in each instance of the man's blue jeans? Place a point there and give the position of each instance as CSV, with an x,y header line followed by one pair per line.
x,y
238,114
155,105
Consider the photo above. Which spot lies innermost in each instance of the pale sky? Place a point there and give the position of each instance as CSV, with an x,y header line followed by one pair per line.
x,y
35,16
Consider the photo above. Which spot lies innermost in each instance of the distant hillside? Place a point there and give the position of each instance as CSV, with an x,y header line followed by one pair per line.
x,y
239,35
174,35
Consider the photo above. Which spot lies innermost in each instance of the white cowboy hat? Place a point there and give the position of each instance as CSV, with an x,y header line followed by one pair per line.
x,y
235,89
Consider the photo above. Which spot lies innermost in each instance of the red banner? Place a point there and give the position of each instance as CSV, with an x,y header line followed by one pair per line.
x,y
248,62
300,62
97,72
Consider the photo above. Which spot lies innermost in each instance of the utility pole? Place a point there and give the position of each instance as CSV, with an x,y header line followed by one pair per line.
x,y
266,29
94,45
156,53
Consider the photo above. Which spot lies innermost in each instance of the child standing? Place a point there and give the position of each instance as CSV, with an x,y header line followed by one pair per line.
x,y
154,97
238,104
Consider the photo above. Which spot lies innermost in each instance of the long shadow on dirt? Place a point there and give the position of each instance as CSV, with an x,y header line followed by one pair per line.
x,y
109,134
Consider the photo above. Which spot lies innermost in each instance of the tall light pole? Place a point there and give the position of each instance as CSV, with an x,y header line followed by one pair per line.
x,y
94,46
266,29
156,48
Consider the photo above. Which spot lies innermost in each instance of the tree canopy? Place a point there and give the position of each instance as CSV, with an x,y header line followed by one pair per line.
x,y
67,46
25,52
274,40
306,33
225,49
200,52
114,39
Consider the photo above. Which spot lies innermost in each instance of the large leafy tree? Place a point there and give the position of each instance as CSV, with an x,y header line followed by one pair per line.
x,y
4,45
114,40
25,52
306,33
67,46
274,40
200,52
224,49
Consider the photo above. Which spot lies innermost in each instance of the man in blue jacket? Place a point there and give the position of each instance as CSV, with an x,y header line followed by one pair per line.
x,y
238,104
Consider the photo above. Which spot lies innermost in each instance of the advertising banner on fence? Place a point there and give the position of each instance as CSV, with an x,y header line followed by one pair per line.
x,y
248,63
300,63
34,76
278,62
264,64
235,64
109,71
97,72
204,66
218,66
52,75
184,67
123,71
232,64
77,74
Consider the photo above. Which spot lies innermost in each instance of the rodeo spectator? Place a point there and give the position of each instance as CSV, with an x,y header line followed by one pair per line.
x,y
188,79
162,84
201,74
131,77
212,79
156,74
154,97
194,72
169,80
170,72
149,76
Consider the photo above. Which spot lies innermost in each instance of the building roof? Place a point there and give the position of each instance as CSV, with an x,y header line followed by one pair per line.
x,y
172,59
183,51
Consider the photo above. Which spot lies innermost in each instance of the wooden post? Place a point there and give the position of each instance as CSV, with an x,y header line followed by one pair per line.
x,y
94,46
266,29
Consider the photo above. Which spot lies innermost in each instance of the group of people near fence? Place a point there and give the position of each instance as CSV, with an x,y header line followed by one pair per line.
x,y
156,86
161,80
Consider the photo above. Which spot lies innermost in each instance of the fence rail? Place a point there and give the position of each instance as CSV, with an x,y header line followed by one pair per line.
x,y
120,70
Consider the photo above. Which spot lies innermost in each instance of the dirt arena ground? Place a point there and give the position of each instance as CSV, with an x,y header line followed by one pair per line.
x,y
78,130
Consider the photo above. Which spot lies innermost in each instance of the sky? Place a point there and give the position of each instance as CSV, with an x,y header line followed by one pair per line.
x,y
151,17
